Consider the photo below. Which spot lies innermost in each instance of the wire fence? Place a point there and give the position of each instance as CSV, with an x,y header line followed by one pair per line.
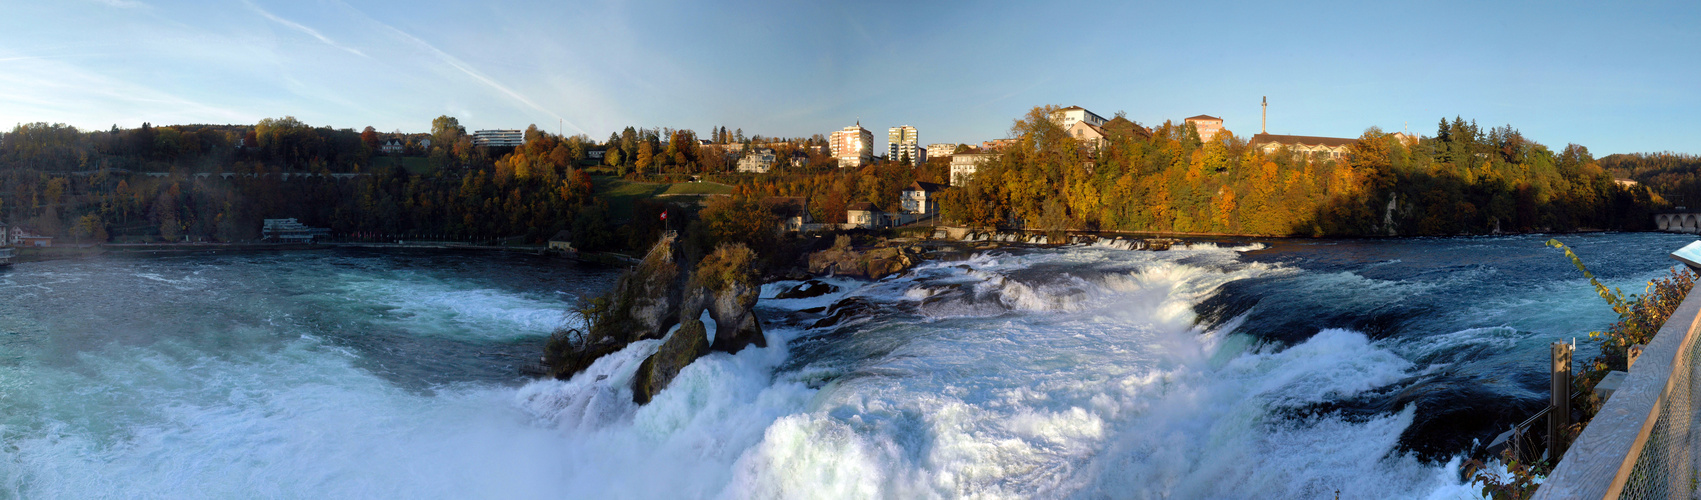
x,y
1666,467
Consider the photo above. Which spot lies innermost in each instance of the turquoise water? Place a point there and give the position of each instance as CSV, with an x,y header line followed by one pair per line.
x,y
1282,370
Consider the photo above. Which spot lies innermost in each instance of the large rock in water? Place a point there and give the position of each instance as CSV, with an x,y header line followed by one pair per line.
x,y
727,279
652,293
655,296
874,263
807,290
734,311
688,343
644,304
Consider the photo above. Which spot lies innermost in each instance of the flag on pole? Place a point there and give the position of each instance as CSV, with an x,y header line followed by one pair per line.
x,y
664,215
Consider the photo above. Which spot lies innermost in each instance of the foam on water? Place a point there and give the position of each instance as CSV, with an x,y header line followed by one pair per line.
x,y
436,306
297,422
1079,372
1122,396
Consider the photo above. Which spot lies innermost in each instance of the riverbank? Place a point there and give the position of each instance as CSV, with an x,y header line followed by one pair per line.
x,y
39,254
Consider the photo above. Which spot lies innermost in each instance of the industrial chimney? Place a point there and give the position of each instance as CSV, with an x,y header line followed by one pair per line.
x,y
1266,121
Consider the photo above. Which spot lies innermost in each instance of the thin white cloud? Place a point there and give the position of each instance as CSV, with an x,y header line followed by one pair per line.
x,y
48,90
123,4
298,27
463,67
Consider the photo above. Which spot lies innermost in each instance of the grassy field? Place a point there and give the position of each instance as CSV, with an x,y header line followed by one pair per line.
x,y
622,195
414,164
699,188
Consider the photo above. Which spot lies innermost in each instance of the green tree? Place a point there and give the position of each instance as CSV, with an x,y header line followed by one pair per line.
x,y
446,131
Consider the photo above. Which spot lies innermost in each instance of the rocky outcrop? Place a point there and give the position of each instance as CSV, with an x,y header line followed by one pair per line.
x,y
807,290
653,297
873,264
845,311
688,343
653,294
727,279
643,304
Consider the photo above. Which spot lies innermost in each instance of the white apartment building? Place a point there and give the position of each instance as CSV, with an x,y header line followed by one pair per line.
x,y
853,146
901,143
964,166
757,162
1067,117
940,150
922,198
493,138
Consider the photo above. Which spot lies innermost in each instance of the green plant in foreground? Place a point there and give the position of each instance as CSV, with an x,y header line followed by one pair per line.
x,y
1519,484
1639,319
1639,316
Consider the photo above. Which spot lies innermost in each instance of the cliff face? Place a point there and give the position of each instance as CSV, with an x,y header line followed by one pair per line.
x,y
642,305
873,263
728,280
687,344
650,299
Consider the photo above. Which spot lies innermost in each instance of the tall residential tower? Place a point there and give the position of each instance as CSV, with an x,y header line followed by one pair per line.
x,y
902,145
853,146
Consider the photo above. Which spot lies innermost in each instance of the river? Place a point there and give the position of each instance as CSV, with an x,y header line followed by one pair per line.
x,y
1270,369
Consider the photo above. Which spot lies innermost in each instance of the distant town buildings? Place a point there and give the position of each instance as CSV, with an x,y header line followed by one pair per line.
x,y
853,146
392,146
996,144
902,145
1207,125
6,251
289,231
793,211
863,214
496,138
1067,117
562,242
922,198
941,150
1305,145
24,237
759,161
964,166
1317,147
1088,134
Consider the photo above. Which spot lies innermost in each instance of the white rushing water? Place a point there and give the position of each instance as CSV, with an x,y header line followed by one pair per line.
x,y
1061,387
1072,373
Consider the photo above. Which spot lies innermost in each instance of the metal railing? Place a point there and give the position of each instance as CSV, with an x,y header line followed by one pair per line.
x,y
1640,443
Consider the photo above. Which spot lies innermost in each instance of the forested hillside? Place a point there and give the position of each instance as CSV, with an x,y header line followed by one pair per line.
x,y
216,182
1464,180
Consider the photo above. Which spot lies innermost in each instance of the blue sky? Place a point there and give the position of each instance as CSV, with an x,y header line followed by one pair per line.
x,y
1613,77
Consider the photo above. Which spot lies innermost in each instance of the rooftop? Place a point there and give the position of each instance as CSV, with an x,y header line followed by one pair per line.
x,y
1204,117
1302,139
927,187
786,205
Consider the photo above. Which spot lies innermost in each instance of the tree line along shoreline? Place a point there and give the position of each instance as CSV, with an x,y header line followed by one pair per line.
x,y
86,187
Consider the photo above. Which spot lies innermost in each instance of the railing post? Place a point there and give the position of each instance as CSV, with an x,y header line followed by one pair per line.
x,y
1559,411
